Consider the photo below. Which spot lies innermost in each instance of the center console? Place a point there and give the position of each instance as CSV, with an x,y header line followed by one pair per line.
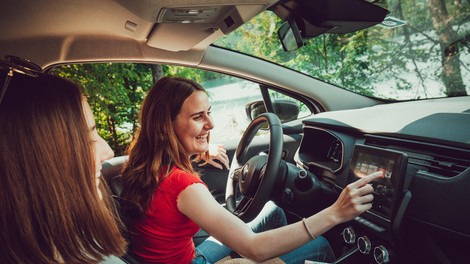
x,y
373,234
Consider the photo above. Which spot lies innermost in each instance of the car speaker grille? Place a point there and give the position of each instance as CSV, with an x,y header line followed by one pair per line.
x,y
430,159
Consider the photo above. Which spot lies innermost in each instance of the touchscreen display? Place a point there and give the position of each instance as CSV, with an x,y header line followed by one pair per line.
x,y
367,160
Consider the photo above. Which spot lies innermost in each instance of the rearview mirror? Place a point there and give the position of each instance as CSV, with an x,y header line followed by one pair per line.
x,y
290,36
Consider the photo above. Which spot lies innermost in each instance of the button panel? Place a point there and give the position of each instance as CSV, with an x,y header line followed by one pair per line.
x,y
366,223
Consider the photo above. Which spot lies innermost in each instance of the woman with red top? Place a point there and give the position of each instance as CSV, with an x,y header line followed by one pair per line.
x,y
170,202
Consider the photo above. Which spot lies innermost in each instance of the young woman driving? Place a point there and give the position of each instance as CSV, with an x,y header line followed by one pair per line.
x,y
167,202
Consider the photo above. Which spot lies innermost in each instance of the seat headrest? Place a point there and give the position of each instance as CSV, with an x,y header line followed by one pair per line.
x,y
111,173
113,167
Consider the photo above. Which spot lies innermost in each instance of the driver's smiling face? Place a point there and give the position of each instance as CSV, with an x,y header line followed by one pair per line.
x,y
193,123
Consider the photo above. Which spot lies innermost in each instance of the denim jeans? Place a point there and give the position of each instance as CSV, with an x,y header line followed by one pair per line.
x,y
271,216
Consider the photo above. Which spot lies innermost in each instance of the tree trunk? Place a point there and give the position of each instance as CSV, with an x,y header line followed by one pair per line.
x,y
157,72
450,56
396,10
114,137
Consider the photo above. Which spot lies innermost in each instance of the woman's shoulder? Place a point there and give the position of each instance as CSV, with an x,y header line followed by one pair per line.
x,y
179,175
178,180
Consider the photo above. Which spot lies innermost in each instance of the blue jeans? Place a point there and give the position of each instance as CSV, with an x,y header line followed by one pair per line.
x,y
271,216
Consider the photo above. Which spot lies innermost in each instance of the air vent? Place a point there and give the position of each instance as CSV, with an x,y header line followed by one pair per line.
x,y
335,151
438,165
431,159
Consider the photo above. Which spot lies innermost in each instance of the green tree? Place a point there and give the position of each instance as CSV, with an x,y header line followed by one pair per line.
x,y
114,92
442,23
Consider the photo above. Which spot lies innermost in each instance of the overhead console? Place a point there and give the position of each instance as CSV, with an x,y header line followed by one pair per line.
x,y
181,28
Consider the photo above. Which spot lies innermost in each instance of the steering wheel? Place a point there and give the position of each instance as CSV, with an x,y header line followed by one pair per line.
x,y
255,177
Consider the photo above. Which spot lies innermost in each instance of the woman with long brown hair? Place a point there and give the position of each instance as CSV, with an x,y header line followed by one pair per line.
x,y
53,207
167,202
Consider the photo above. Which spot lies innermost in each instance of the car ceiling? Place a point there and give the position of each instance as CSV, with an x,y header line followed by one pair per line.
x,y
59,31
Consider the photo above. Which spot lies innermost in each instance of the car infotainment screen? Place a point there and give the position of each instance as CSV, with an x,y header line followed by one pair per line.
x,y
389,188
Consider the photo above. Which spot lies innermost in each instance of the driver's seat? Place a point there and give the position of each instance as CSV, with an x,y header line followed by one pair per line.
x,y
111,173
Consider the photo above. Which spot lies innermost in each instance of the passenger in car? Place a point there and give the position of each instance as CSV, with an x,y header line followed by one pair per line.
x,y
167,203
53,207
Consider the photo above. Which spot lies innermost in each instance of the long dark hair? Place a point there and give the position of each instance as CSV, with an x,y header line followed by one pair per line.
x,y
156,147
50,209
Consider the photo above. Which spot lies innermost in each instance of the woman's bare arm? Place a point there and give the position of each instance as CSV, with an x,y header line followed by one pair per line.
x,y
197,203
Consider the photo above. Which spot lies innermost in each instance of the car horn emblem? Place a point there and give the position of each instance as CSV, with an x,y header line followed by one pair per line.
x,y
245,171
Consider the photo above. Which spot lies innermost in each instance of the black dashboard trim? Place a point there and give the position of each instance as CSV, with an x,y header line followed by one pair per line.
x,y
341,165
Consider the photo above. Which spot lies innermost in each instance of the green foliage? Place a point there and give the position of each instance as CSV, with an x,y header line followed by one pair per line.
x,y
114,92
363,60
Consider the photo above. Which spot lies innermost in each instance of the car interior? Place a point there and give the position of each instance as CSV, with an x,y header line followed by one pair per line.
x,y
420,212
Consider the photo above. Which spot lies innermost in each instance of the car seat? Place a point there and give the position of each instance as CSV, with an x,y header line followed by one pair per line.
x,y
111,173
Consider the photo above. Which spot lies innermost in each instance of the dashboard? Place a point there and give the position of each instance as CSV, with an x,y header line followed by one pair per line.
x,y
421,208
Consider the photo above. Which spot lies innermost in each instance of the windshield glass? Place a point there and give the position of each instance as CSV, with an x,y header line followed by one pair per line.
x,y
421,50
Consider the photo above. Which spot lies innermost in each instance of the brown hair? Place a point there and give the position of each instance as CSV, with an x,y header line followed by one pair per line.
x,y
50,209
156,147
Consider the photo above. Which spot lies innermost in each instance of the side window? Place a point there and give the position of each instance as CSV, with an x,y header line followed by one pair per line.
x,y
115,92
228,101
233,99
303,110
228,96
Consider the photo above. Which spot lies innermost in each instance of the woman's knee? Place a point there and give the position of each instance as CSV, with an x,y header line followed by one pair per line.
x,y
323,249
276,213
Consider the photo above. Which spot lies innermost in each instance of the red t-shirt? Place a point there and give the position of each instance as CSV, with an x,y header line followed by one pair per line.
x,y
164,234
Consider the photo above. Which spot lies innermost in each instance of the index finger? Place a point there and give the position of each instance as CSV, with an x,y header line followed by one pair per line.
x,y
215,164
225,161
221,148
369,178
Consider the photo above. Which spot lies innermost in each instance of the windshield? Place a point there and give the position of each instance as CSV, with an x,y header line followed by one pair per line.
x,y
420,51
